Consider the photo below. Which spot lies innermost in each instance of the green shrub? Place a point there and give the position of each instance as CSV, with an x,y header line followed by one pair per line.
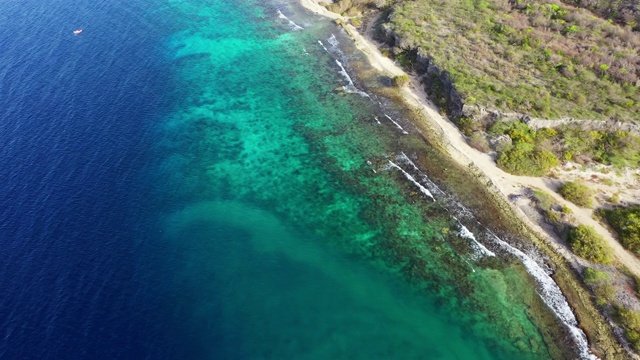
x,y
400,80
626,223
594,276
588,244
630,321
522,159
578,193
478,141
605,294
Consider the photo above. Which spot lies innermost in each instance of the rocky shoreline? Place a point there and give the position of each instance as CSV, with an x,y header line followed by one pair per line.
x,y
604,339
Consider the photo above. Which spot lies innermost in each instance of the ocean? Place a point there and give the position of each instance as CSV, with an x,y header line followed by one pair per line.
x,y
227,180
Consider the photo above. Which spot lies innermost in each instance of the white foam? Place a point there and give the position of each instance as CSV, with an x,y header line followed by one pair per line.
x,y
324,47
550,292
378,121
410,178
351,88
344,73
397,125
553,297
403,158
467,234
333,41
335,50
293,26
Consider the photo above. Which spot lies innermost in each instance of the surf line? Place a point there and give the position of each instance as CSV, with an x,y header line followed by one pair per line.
x,y
293,26
397,125
350,87
552,296
467,234
423,189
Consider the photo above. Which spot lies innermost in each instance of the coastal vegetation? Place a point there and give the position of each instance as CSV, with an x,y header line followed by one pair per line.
x,y
523,150
588,244
626,223
542,58
578,193
630,321
400,80
518,59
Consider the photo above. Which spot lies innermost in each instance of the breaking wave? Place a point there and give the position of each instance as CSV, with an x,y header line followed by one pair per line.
x,y
339,55
549,291
397,125
467,234
410,178
293,26
552,296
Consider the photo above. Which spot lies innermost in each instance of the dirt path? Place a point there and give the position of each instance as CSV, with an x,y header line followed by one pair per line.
x,y
464,154
509,184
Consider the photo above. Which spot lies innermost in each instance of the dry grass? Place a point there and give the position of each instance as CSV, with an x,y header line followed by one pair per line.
x,y
548,60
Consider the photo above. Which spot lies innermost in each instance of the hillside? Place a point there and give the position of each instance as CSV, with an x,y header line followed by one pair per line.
x,y
623,12
545,59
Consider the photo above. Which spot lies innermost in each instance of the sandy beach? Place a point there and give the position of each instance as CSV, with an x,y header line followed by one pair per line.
x,y
455,143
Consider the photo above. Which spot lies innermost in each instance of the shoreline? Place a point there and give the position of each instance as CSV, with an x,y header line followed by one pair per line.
x,y
501,186
458,148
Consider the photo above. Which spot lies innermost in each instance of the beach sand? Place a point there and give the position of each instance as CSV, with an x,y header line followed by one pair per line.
x,y
456,145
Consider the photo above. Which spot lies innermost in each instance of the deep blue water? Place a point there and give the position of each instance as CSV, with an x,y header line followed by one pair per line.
x,y
76,118
192,179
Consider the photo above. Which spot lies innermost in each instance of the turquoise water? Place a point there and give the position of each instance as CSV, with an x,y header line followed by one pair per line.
x,y
224,180
297,237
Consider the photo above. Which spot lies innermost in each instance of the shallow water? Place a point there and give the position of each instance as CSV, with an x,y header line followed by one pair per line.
x,y
210,179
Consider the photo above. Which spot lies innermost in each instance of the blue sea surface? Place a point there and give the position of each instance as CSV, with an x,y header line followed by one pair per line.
x,y
205,180
75,213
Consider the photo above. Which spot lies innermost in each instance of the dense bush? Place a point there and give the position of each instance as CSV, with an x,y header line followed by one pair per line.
x,y
617,148
578,193
523,160
594,276
626,223
623,12
588,244
630,321
400,80
524,156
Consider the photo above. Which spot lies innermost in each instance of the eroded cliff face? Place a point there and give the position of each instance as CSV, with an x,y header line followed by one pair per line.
x,y
437,81
440,86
